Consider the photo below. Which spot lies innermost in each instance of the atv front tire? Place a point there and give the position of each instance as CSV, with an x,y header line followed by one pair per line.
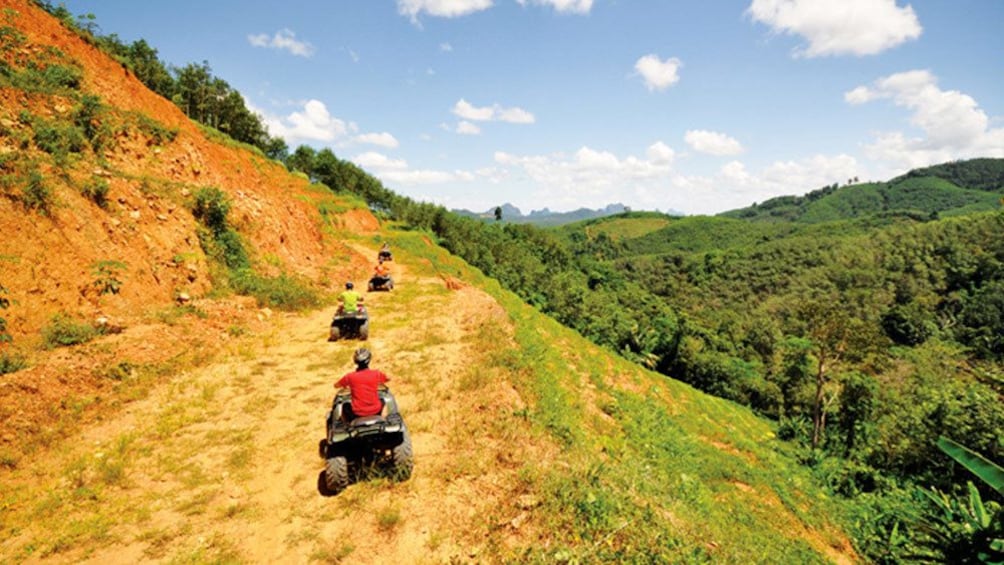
x,y
336,474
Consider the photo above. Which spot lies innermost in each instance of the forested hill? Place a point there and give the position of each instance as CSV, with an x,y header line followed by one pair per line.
x,y
948,189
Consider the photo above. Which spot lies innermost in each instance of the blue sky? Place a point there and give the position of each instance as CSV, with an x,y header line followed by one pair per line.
x,y
693,106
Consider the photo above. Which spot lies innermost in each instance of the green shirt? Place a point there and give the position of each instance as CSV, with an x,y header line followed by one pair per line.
x,y
350,300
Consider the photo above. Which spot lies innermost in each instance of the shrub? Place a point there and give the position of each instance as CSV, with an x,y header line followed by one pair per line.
x,y
157,131
106,275
58,139
4,304
96,190
36,194
85,117
12,362
283,292
211,207
64,331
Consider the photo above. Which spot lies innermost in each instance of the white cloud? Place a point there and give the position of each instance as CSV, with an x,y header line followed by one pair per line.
x,y
467,128
591,177
660,153
515,116
313,123
658,74
379,161
284,40
563,6
397,171
733,186
841,27
952,123
465,110
382,139
712,143
441,8
494,113
594,178
445,47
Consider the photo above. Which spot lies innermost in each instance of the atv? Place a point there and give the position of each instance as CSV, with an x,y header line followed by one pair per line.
x,y
384,255
380,282
355,324
367,443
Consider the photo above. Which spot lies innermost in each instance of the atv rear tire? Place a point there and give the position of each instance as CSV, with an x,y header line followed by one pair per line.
x,y
364,331
404,461
336,333
336,474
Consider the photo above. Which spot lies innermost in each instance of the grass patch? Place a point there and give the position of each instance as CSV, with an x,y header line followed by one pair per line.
x,y
64,331
388,518
333,553
285,292
12,362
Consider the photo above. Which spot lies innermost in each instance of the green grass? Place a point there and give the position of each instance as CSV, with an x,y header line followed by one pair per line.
x,y
64,331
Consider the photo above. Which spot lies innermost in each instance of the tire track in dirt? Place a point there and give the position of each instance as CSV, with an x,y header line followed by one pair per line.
x,y
223,462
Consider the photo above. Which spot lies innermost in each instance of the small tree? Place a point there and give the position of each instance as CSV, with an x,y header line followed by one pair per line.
x,y
498,213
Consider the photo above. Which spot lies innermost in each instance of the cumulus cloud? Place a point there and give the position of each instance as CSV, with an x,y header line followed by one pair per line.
x,y
658,74
312,123
397,171
445,47
844,27
382,139
712,143
441,8
283,40
563,6
494,113
374,160
592,177
952,124
467,128
734,186
660,153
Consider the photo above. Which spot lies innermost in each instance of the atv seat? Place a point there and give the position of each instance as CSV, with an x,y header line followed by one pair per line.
x,y
366,420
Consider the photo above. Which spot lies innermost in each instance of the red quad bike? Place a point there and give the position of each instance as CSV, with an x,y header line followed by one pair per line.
x,y
350,325
350,450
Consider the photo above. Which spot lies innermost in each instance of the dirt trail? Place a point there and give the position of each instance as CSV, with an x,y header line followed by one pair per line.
x,y
223,462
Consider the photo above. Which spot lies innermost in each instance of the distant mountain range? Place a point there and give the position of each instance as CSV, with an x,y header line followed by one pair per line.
x,y
544,216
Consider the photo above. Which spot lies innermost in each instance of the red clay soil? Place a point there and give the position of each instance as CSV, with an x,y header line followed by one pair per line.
x,y
48,260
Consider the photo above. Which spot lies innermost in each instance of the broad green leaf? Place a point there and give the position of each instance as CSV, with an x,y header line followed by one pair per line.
x,y
991,473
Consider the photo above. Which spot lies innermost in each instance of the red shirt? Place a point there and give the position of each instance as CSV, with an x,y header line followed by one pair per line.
x,y
364,385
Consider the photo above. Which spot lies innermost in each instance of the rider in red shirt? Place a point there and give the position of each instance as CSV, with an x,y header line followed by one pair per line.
x,y
363,384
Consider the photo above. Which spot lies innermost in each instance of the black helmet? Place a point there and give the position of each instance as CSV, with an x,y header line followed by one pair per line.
x,y
349,285
362,357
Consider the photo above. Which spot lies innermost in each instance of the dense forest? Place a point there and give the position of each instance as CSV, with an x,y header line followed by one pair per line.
x,y
867,320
